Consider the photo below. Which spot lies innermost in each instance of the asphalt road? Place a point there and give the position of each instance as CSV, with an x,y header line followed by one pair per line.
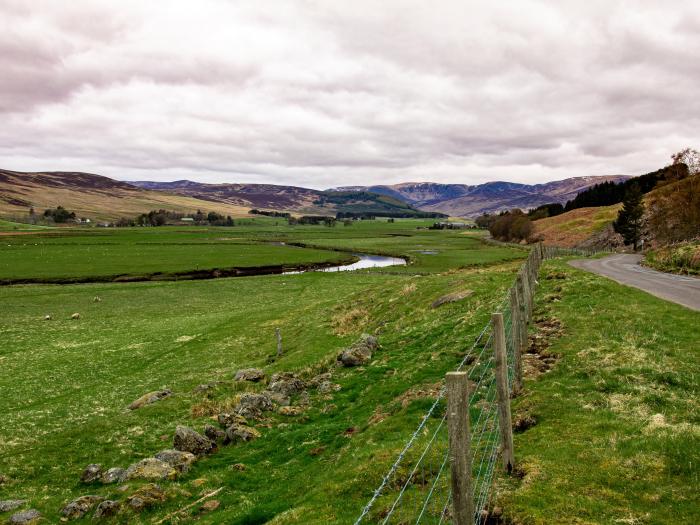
x,y
625,269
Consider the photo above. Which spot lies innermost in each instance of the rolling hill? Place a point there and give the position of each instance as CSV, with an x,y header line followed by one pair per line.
x,y
93,196
469,201
288,198
104,199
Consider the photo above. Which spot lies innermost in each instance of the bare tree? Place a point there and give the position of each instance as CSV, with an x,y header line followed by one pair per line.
x,y
690,157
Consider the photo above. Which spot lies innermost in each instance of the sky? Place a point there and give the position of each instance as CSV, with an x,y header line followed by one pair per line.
x,y
337,92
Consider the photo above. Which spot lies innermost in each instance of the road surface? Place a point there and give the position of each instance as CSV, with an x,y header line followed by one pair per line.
x,y
625,269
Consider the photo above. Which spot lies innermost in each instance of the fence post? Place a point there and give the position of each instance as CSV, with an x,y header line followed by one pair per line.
x,y
526,295
279,341
460,447
503,399
515,339
523,317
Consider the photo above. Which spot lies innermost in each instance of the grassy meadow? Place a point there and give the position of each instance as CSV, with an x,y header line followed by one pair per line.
x,y
66,383
616,435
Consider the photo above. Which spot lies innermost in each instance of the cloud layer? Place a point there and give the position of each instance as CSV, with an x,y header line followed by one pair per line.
x,y
337,93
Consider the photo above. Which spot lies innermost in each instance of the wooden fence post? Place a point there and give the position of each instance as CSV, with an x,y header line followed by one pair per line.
x,y
502,397
522,318
515,336
460,447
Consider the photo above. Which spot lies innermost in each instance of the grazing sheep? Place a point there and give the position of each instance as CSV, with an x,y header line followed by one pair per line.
x,y
47,318
97,299
75,316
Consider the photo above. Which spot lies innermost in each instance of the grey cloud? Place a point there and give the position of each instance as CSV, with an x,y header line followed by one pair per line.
x,y
331,93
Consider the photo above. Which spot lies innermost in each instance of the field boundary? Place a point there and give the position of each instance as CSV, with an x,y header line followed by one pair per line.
x,y
455,447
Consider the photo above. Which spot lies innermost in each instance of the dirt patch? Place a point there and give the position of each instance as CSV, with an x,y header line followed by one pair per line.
x,y
538,359
524,422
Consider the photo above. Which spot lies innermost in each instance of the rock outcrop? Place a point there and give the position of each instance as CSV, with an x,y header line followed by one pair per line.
x,y
11,504
189,440
151,397
145,497
79,507
179,460
26,517
150,468
238,433
92,473
360,352
253,375
107,508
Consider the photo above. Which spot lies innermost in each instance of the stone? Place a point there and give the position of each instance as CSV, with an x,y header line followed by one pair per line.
x,y
180,461
252,405
236,433
91,473
113,475
227,419
107,508
26,517
80,506
150,468
316,381
215,434
360,352
189,440
286,383
452,297
209,506
304,398
11,504
238,466
253,375
290,411
277,398
150,398
327,387
146,496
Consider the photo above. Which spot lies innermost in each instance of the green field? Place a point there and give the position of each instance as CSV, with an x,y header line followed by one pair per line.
x,y
69,381
66,382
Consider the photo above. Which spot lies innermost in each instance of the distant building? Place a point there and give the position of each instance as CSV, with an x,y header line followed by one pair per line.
x,y
453,226
187,219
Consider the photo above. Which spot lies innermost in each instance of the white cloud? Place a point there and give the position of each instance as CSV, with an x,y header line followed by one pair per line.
x,y
338,93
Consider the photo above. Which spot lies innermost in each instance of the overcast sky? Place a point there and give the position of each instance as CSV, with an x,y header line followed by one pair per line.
x,y
344,92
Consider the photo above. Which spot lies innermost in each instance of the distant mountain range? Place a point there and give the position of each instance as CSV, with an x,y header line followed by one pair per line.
x,y
469,201
99,197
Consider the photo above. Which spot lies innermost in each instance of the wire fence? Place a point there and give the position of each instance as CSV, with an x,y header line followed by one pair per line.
x,y
417,488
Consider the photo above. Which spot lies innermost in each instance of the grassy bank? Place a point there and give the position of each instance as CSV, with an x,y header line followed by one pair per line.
x,y
617,438
683,258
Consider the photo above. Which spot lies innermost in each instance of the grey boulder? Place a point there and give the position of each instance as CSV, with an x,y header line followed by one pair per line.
x,y
189,440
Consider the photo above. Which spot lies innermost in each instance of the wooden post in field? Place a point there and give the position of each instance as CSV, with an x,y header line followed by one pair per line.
x,y
460,447
526,295
502,397
515,336
523,317
279,341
